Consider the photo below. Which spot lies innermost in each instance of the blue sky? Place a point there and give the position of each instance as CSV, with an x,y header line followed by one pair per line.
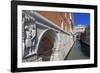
x,y
81,18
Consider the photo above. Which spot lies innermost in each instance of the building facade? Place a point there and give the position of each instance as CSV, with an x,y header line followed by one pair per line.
x,y
85,37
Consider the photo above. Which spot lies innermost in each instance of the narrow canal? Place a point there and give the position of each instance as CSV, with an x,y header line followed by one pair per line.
x,y
79,51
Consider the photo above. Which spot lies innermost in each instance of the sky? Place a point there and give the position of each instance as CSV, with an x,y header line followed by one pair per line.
x,y
81,18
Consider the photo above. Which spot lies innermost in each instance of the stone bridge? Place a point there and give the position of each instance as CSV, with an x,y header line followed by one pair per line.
x,y
52,42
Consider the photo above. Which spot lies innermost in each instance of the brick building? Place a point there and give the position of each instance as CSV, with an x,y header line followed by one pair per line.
x,y
61,19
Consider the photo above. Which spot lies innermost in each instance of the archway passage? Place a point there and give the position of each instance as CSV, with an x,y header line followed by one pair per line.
x,y
46,45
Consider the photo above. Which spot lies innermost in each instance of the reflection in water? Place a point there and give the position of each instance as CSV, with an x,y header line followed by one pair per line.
x,y
79,51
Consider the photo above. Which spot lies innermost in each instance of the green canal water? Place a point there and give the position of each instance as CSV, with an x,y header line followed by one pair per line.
x,y
79,51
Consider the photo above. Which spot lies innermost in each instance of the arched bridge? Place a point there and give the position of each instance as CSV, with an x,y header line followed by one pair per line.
x,y
51,42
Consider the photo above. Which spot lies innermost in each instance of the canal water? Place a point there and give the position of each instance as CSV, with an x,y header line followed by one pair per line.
x,y
79,51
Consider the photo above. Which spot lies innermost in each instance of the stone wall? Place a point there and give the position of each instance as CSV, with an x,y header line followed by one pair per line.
x,y
66,42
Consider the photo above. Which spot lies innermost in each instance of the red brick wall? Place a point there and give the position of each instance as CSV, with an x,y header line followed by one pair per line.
x,y
57,18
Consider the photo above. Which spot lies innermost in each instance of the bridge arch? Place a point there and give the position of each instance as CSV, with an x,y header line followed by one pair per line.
x,y
48,43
